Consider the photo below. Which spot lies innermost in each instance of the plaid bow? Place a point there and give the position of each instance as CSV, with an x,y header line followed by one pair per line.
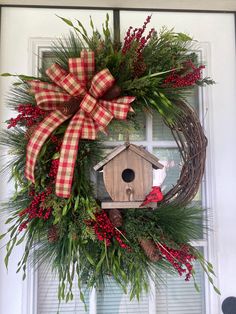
x,y
92,113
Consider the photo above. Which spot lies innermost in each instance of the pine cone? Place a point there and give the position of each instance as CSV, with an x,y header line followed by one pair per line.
x,y
115,217
30,131
53,234
112,93
150,249
70,107
139,67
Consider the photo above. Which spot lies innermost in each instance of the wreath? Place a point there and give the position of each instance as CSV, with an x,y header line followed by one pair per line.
x,y
95,85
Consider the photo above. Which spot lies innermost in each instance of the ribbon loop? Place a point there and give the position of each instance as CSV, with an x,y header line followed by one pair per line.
x,y
56,73
48,100
88,63
37,86
76,68
72,85
101,83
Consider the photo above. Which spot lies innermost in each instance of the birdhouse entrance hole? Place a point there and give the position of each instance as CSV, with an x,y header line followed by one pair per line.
x,y
128,175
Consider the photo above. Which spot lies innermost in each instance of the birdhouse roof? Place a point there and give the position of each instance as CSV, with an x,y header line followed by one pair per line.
x,y
143,153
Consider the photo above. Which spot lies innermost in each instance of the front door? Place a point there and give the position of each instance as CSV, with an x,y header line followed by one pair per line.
x,y
26,35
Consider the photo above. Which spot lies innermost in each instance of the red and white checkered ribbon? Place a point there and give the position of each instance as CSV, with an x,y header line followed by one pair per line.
x,y
94,113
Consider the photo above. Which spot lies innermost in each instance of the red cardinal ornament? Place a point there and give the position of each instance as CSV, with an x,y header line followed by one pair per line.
x,y
154,196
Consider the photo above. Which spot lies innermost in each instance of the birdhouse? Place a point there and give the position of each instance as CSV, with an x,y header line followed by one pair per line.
x,y
128,175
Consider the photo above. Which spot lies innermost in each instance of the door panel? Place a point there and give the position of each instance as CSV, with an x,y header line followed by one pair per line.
x,y
216,41
23,32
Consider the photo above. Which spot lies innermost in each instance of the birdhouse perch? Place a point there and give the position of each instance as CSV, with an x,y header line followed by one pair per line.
x,y
128,175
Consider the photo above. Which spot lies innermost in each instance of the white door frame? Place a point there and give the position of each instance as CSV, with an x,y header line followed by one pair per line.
x,y
200,5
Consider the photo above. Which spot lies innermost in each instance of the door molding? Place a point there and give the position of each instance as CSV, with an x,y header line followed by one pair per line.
x,y
149,5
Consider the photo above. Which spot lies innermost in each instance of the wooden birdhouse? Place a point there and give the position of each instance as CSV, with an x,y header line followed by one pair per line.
x,y
128,175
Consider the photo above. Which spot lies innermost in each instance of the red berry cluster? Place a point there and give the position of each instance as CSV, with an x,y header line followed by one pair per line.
x,y
56,141
136,36
53,170
105,230
28,115
189,79
36,208
55,162
181,259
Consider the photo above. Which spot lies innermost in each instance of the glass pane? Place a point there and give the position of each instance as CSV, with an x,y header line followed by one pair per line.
x,y
100,190
160,131
112,300
123,131
198,197
48,302
168,176
193,99
48,59
102,194
177,296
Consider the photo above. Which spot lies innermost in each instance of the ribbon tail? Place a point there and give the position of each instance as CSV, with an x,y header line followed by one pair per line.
x,y
68,155
89,129
40,135
118,107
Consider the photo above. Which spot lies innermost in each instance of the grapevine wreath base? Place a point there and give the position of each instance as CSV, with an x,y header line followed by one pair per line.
x,y
98,85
